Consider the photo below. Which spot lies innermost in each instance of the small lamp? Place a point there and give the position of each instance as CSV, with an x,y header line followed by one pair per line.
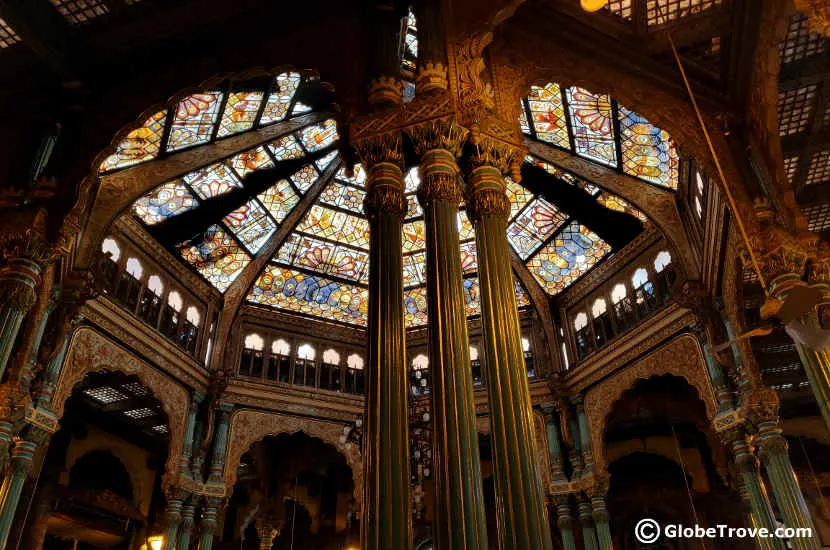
x,y
592,5
156,542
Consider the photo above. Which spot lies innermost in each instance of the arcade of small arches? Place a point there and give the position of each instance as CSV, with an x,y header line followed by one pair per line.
x,y
290,320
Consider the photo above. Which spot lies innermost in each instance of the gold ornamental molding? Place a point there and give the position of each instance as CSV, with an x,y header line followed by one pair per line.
x,y
818,15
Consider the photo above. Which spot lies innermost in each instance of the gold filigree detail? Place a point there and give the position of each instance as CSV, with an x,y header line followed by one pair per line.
x,y
432,77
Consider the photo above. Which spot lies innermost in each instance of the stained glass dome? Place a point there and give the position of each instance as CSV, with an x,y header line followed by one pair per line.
x,y
219,217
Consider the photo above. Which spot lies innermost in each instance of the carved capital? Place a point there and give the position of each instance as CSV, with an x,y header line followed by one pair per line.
x,y
386,90
771,446
473,91
439,177
442,133
485,194
432,77
381,148
762,405
385,191
23,235
17,294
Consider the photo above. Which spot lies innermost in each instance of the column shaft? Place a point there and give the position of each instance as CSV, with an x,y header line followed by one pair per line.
x,y
386,459
186,528
565,521
208,528
760,509
18,280
817,367
785,488
589,536
22,455
603,529
173,517
520,500
460,521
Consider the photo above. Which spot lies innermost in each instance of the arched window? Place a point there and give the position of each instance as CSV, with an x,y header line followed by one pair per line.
x,y
420,362
355,361
478,380
354,377
331,357
640,278
473,353
580,321
134,268
599,308
618,293
280,347
307,352
194,316
525,344
155,285
529,360
662,261
174,300
584,342
109,246
603,329
254,341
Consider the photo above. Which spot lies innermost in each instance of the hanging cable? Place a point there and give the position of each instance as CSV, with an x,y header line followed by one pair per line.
x,y
294,511
686,479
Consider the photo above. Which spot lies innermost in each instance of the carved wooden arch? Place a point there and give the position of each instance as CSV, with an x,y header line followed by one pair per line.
x,y
103,197
249,426
91,351
681,357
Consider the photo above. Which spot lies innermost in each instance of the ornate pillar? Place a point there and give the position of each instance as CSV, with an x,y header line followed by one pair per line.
x,y
565,521
586,518
172,519
209,523
186,526
220,444
520,500
386,86
459,503
760,509
189,430
386,514
554,446
18,279
267,532
600,513
21,463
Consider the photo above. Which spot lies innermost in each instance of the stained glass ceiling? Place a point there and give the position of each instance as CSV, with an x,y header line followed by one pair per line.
x,y
597,127
320,268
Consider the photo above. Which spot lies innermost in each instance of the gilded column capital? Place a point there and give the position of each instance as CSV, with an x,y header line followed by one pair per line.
x,y
761,405
442,133
17,294
383,157
771,446
438,142
431,77
386,90
23,235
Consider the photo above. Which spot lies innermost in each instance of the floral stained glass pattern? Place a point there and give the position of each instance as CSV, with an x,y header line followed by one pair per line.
x,y
251,225
251,161
414,236
535,224
415,307
240,113
336,226
279,199
567,257
305,177
286,148
325,258
548,114
195,120
216,257
593,128
311,295
276,108
140,145
517,195
165,201
343,196
414,269
319,136
647,151
212,181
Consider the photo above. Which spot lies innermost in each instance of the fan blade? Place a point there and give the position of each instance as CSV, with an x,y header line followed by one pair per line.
x,y
800,300
760,331
814,338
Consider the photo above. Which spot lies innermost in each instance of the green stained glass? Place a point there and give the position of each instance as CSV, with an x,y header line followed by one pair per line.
x,y
415,307
325,258
276,108
250,161
591,119
212,181
414,269
548,114
216,257
195,120
305,177
414,236
533,226
251,225
343,196
647,151
319,136
311,295
240,113
140,145
336,226
165,201
567,257
286,148
279,199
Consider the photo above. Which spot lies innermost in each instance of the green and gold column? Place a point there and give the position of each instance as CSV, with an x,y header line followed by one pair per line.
x,y
565,521
22,458
209,523
460,521
520,500
760,509
187,524
18,279
386,515
172,519
600,512
586,519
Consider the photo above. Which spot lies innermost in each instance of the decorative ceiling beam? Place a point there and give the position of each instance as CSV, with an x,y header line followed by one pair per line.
x,y
44,31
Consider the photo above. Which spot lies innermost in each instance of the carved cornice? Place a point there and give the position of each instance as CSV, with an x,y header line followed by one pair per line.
x,y
287,322
284,398
440,133
23,235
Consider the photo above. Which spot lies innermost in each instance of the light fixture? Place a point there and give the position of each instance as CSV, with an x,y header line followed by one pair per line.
x,y
592,5
156,542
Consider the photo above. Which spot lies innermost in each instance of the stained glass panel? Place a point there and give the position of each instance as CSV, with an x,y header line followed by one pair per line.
x,y
548,113
647,151
517,195
305,177
415,269
319,136
414,236
472,297
523,121
465,228
412,181
212,181
413,208
415,307
140,145
522,299
567,257
325,258
280,100
217,257
194,121
343,196
286,148
613,202
279,199
336,226
358,178
469,259
251,225
533,226
165,201
311,295
592,122
324,162
250,161
240,112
